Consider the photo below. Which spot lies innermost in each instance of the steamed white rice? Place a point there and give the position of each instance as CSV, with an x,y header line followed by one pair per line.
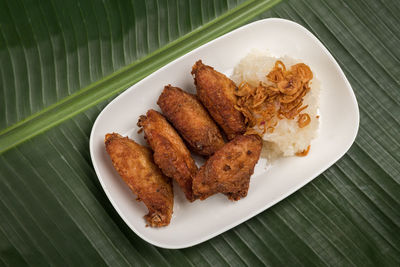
x,y
288,138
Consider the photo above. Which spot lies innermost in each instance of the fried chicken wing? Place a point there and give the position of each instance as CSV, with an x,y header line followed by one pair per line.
x,y
170,153
191,120
135,165
228,171
216,92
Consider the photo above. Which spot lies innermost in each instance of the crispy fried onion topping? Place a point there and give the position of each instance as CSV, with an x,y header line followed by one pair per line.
x,y
263,106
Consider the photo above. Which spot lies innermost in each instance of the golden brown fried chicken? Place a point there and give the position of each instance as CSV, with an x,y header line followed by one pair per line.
x,y
191,120
170,153
135,165
228,171
216,92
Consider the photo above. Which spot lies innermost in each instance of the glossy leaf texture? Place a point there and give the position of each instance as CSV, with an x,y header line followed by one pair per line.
x,y
22,99
51,49
53,209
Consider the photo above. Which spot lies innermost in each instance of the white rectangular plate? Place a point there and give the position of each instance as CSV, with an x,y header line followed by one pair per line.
x,y
193,223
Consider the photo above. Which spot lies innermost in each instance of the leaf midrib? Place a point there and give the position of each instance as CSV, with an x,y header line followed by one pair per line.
x,y
127,76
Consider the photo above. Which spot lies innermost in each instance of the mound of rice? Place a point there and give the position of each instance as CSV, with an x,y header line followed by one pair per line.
x,y
288,138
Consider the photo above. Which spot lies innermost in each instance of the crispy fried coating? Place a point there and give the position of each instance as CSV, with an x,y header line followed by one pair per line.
x,y
216,92
228,171
191,120
170,153
135,165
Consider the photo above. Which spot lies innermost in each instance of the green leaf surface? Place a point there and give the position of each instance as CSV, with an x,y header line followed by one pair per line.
x,y
125,77
75,55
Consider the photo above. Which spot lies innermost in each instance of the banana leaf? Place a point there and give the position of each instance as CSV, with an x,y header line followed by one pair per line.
x,y
61,62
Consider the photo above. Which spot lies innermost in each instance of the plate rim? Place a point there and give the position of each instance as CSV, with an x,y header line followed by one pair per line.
x,y
292,190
